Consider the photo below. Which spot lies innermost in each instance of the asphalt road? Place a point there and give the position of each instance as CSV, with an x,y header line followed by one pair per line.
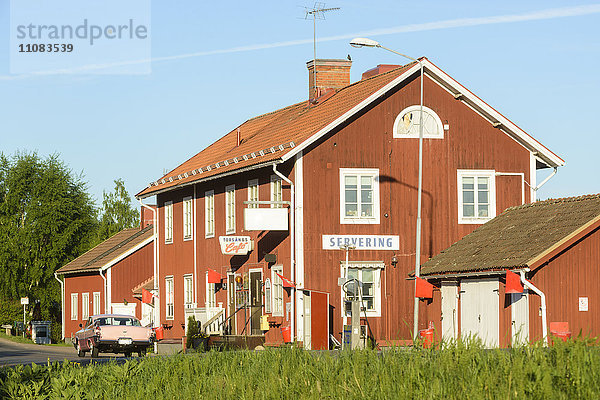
x,y
12,353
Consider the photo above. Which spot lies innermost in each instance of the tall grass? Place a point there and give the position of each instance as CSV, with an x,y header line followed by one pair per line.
x,y
568,371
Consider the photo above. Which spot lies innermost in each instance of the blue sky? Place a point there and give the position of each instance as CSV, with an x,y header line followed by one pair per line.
x,y
217,64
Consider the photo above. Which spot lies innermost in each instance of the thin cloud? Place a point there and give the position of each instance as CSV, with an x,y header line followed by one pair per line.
x,y
553,13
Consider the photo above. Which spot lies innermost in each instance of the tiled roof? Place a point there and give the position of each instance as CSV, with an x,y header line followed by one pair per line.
x,y
516,237
274,134
113,247
148,284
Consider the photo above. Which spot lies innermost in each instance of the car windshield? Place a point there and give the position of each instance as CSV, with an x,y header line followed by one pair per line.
x,y
118,321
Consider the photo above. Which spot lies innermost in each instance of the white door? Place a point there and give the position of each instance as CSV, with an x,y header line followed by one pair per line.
x,y
519,311
307,321
449,291
479,309
124,309
147,313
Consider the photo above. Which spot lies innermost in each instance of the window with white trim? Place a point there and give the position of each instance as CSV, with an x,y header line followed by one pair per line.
x,y
209,213
368,274
230,209
85,306
169,222
253,192
276,191
74,306
96,303
169,303
277,290
187,218
267,296
188,291
211,291
408,122
476,196
359,196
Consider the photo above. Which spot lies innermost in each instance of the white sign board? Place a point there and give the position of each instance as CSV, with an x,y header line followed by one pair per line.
x,y
362,242
266,219
583,304
24,300
236,245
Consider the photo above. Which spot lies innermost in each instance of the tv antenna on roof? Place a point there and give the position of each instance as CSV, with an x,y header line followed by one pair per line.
x,y
317,12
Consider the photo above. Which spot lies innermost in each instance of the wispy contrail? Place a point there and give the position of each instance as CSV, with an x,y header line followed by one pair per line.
x,y
552,13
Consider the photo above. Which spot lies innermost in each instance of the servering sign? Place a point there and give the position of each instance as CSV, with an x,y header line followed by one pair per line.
x,y
362,242
236,245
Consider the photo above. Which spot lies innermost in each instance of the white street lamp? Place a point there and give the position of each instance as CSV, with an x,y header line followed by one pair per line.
x,y
365,42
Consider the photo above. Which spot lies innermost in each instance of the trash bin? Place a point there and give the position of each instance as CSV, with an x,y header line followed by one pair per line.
x,y
286,331
427,336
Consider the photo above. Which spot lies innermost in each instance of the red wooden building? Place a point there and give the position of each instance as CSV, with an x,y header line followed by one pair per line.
x,y
340,169
554,244
102,279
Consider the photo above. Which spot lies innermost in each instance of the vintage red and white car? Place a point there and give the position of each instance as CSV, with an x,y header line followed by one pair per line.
x,y
112,333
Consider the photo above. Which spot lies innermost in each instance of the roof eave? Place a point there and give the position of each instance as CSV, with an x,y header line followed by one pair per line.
x,y
143,195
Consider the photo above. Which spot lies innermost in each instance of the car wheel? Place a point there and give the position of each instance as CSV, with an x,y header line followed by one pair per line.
x,y
80,352
95,350
142,353
127,354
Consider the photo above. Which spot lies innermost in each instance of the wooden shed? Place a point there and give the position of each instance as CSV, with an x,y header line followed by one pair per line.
x,y
554,245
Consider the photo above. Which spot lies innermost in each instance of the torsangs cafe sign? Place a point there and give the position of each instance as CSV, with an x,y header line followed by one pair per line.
x,y
236,245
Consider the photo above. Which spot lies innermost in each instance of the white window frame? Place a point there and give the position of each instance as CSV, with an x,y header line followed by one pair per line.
x,y
169,298
373,172
85,306
276,191
74,306
229,209
97,307
268,296
188,291
414,133
168,222
476,173
211,298
209,214
188,210
253,194
377,267
277,301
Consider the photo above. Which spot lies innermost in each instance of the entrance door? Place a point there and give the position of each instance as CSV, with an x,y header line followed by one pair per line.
x,y
519,311
231,306
479,309
316,320
255,301
449,291
307,317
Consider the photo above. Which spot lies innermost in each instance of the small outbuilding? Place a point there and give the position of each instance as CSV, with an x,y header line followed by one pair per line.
x,y
552,246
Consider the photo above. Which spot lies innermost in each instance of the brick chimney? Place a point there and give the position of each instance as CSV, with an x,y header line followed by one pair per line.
x,y
331,74
380,69
146,216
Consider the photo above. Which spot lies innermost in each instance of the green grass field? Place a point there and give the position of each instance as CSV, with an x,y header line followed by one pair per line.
x,y
568,371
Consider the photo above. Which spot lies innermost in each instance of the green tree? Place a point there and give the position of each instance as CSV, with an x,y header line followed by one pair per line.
x,y
46,219
117,212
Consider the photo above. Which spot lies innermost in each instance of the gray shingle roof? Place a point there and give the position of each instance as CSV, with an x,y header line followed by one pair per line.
x,y
517,236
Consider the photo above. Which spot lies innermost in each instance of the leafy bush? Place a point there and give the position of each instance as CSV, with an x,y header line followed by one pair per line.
x,y
192,330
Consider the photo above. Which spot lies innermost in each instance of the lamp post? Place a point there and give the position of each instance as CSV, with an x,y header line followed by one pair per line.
x,y
365,42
